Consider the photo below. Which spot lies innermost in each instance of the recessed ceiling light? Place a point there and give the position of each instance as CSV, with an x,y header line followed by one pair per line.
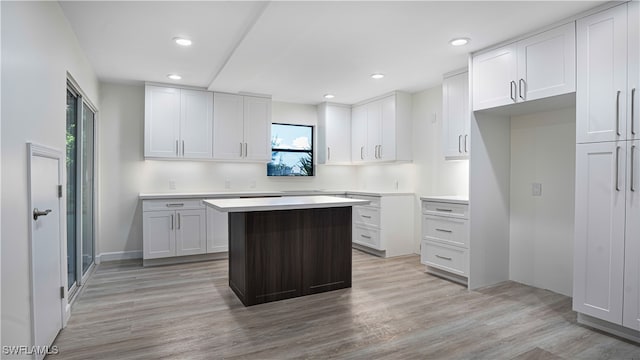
x,y
182,41
459,41
329,96
377,76
174,76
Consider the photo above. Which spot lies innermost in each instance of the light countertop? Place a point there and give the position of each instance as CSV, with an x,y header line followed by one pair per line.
x,y
236,194
281,203
447,198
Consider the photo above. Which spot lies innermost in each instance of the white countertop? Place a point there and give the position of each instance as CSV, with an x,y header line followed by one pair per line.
x,y
281,203
447,198
257,193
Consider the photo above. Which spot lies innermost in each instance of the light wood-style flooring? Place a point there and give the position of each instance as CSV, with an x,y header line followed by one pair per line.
x,y
393,311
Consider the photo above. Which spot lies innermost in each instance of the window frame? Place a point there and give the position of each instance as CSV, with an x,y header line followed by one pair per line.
x,y
311,151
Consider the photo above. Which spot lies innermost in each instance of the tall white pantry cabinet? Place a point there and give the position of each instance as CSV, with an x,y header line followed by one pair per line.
x,y
607,209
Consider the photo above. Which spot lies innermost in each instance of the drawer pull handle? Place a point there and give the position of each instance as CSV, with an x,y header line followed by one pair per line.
x,y
366,216
443,230
365,236
443,257
446,210
175,205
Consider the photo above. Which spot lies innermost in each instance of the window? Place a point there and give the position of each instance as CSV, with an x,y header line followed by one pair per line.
x,y
291,150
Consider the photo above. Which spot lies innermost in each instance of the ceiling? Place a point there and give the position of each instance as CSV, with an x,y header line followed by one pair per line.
x,y
297,51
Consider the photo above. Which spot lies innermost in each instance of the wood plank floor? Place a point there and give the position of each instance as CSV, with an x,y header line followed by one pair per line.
x,y
394,310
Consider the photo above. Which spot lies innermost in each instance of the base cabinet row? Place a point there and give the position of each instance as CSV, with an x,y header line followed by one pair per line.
x,y
182,227
445,239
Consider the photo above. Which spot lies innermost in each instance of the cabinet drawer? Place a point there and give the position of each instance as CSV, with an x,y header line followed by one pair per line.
x,y
446,229
445,209
375,200
366,216
172,204
367,237
449,258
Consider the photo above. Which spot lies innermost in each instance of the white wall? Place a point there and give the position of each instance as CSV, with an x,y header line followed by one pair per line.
x,y
38,48
124,173
541,228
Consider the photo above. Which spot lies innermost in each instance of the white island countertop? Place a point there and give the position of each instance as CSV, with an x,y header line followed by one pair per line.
x,y
281,203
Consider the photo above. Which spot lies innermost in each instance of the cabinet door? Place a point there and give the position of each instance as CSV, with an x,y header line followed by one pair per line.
x,y
634,70
191,232
217,231
632,240
338,134
161,122
455,115
358,133
387,148
257,128
547,63
374,131
196,124
602,76
599,230
228,126
158,234
494,78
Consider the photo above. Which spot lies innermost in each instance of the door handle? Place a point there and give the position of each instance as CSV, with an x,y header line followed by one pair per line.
x,y
241,149
37,213
618,113
512,90
379,151
465,143
171,222
633,121
522,85
444,230
182,147
178,221
633,150
328,153
361,153
618,168
246,149
177,152
459,143
443,257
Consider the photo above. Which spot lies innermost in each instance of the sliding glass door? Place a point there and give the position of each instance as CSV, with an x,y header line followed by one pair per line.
x,y
80,187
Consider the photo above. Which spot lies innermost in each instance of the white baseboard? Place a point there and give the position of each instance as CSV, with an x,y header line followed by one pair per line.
x,y
118,255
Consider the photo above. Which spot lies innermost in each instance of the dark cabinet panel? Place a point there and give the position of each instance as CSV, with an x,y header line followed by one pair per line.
x,y
275,255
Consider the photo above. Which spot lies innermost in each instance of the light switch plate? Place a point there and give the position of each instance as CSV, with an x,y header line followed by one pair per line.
x,y
536,189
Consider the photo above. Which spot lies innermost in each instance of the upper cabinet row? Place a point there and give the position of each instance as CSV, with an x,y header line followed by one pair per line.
x,y
194,124
539,66
375,131
608,76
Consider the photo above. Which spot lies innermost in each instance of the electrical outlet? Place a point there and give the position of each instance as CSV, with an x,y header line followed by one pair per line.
x,y
227,184
172,184
536,189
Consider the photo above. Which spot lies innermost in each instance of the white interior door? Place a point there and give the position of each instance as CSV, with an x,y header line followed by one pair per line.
x,y
47,275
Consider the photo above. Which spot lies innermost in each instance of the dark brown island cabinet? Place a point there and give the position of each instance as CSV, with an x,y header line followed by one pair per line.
x,y
295,247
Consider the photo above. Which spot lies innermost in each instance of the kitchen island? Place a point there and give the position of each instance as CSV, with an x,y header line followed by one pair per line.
x,y
286,247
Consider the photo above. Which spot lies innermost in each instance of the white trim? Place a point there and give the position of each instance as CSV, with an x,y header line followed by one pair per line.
x,y
34,150
118,255
611,328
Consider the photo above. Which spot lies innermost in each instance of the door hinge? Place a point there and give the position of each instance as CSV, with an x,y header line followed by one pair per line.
x,y
60,191
61,292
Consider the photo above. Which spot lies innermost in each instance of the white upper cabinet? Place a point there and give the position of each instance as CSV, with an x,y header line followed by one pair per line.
x,y
539,66
494,78
358,133
161,122
196,124
455,114
381,130
547,63
257,128
602,76
334,134
242,127
178,123
634,70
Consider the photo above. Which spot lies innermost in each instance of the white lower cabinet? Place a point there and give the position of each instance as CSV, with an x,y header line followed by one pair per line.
x,y
445,238
385,226
607,232
217,231
173,228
